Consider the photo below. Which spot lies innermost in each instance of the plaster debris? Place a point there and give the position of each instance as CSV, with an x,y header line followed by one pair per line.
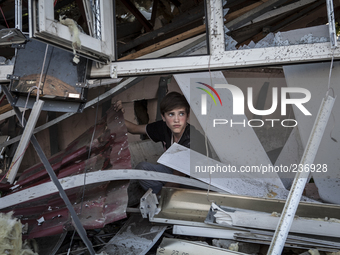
x,y
41,220
314,252
233,247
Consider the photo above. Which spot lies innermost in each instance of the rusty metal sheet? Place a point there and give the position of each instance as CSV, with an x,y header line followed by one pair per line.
x,y
103,202
175,206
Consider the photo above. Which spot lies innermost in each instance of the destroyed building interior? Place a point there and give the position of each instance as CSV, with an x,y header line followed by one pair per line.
x,y
261,79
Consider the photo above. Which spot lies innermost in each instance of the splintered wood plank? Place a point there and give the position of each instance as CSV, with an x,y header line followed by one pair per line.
x,y
165,43
238,13
314,78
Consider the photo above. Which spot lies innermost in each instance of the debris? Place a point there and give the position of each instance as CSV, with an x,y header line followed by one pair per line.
x,y
226,244
148,204
137,236
314,252
206,231
233,247
10,236
234,183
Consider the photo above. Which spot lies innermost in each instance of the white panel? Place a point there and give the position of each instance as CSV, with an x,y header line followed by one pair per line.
x,y
179,158
235,145
314,77
290,154
277,55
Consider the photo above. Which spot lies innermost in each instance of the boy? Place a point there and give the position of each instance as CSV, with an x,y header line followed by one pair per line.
x,y
173,128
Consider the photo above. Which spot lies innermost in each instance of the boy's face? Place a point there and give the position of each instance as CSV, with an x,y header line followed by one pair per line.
x,y
176,120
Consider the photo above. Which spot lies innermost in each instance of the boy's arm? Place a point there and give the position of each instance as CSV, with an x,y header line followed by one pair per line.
x,y
131,127
134,128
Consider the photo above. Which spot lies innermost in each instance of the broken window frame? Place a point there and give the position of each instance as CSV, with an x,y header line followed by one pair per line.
x,y
42,27
219,59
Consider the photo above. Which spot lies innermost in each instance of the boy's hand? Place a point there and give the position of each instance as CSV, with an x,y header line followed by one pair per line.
x,y
118,106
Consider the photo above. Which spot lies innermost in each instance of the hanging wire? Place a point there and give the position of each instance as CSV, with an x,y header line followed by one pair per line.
x,y
85,168
3,15
89,154
34,87
14,163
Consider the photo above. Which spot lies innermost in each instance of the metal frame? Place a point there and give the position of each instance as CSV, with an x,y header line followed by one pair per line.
x,y
218,58
221,59
228,59
53,32
105,96
18,14
301,178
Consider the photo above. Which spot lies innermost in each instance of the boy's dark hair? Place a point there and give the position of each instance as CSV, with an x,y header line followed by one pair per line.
x,y
172,101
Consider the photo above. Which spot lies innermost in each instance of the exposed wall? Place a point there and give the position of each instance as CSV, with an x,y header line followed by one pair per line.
x,y
270,138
